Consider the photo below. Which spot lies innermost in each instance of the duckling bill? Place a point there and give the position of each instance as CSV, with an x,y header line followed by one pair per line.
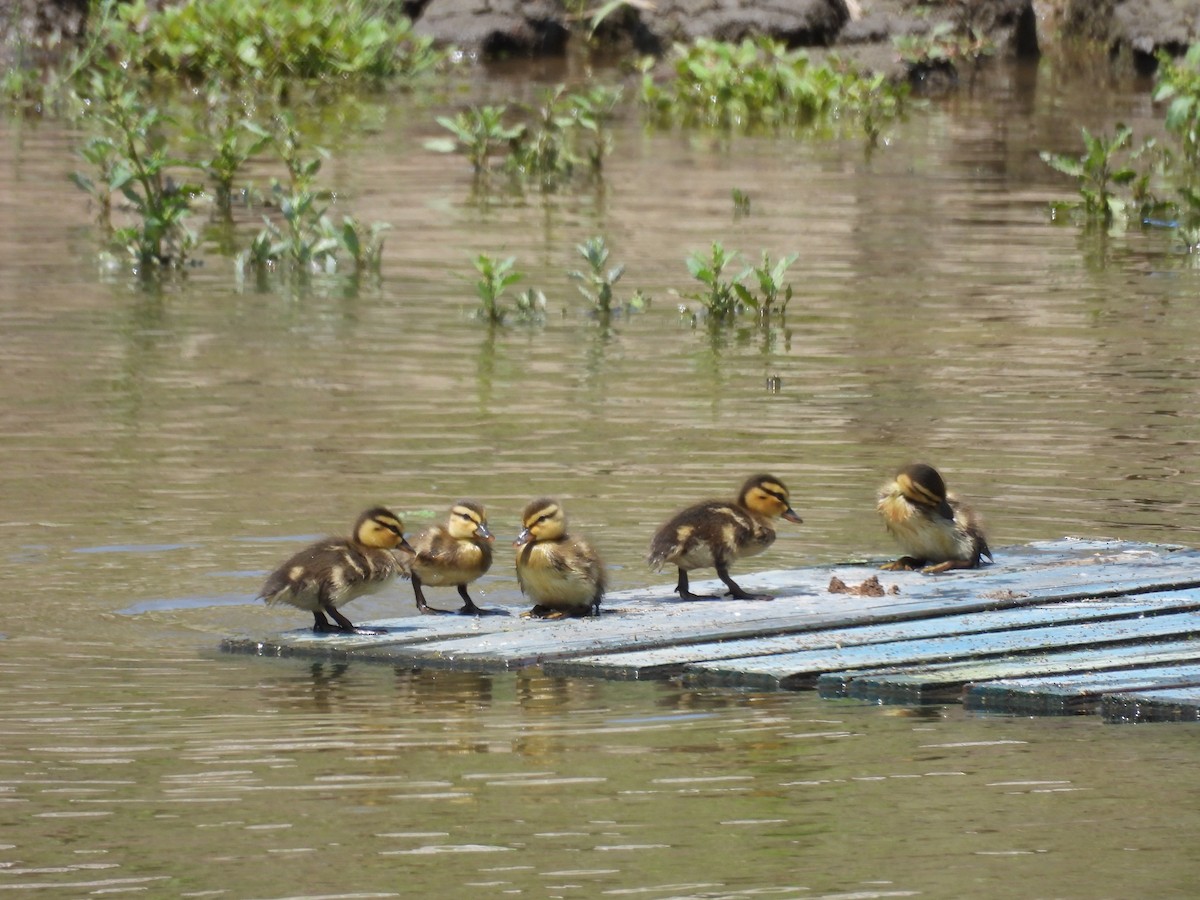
x,y
714,533
332,572
561,573
936,531
456,553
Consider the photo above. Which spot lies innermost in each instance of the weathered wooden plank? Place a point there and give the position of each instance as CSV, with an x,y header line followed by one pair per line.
x,y
646,619
667,661
944,682
800,670
1170,705
1067,694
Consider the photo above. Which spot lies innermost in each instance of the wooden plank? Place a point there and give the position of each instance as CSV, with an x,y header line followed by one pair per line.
x,y
667,661
1067,694
800,670
1170,705
943,682
646,619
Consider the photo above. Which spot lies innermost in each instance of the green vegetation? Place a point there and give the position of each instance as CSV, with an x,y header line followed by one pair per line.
x,y
724,298
1179,82
945,45
495,278
1120,183
761,85
597,284
479,134
1098,173
132,158
774,295
239,42
245,60
568,132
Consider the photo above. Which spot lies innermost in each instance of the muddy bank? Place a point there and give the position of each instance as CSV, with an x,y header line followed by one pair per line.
x,y
866,29
1127,30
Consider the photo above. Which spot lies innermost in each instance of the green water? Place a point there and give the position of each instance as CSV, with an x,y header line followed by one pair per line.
x,y
161,453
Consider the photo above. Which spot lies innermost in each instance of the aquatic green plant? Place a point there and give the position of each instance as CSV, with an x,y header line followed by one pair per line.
x,y
596,284
133,160
725,297
364,243
543,148
774,295
305,241
1098,172
566,130
1179,82
231,141
592,110
479,133
334,40
720,295
530,306
756,84
495,277
741,203
946,44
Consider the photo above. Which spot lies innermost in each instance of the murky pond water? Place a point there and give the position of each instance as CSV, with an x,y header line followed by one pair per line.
x,y
161,453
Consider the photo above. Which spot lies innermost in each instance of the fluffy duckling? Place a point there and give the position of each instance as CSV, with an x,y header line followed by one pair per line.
x,y
716,532
454,554
936,531
334,571
562,574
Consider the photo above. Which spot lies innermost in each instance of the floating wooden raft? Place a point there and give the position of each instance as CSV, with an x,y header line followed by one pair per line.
x,y
1056,627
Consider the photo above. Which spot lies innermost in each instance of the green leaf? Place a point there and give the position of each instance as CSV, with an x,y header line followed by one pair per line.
x,y
1064,164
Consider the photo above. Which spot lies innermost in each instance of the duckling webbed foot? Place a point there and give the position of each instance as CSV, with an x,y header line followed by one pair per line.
x,y
470,609
948,565
321,625
422,607
735,591
681,588
550,612
903,564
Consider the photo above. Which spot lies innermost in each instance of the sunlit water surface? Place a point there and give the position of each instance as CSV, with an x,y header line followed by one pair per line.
x,y
161,453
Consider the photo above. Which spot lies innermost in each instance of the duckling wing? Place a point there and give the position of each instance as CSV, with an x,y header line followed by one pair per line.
x,y
710,533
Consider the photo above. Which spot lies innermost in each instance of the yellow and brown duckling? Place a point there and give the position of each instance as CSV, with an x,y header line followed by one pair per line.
x,y
717,532
334,571
456,553
935,530
561,573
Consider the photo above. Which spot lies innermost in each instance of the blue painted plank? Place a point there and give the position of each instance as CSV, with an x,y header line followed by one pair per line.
x,y
667,661
646,619
1170,705
943,682
798,670
1066,694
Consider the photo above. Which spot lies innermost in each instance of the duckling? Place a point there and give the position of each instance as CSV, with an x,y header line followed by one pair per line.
x,y
457,554
562,574
935,530
334,571
716,532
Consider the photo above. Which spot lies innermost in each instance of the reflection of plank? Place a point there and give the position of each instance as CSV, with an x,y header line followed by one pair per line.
x,y
944,682
1169,705
1073,693
1063,607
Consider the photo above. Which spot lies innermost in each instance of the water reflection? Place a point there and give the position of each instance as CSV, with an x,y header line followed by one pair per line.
x,y
938,314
